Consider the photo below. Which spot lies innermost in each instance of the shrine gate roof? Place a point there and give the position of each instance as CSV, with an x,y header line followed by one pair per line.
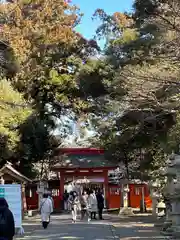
x,y
9,170
82,158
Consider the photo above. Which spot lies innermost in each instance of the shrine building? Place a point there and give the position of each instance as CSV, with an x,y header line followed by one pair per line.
x,y
79,163
90,164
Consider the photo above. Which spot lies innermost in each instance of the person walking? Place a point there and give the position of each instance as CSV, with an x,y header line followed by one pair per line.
x,y
84,204
74,203
100,203
46,209
65,200
92,202
7,225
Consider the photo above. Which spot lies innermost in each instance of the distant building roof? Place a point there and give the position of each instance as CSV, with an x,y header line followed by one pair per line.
x,y
79,150
8,169
82,158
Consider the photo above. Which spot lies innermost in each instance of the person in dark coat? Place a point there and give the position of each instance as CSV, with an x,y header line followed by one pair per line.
x,y
100,203
7,225
65,200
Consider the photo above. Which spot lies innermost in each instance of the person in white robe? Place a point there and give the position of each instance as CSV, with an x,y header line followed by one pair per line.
x,y
75,203
92,204
46,208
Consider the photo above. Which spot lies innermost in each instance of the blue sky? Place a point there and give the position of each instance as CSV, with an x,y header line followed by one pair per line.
x,y
88,7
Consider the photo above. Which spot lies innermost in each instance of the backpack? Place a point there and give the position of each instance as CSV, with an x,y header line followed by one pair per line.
x,y
3,224
71,199
42,204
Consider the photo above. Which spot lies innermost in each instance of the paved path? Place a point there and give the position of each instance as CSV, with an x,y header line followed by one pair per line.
x,y
137,227
64,229
61,227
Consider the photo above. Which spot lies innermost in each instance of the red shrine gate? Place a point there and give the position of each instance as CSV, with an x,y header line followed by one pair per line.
x,y
75,163
78,163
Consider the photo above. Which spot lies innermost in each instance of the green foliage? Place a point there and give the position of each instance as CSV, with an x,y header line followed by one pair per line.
x,y
48,49
143,51
50,54
94,78
34,144
128,93
174,137
14,111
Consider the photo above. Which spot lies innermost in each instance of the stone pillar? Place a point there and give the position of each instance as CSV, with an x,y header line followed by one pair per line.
x,y
125,210
2,181
40,191
125,190
154,186
154,197
173,193
175,198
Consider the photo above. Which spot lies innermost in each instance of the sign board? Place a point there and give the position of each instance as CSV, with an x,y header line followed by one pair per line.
x,y
12,194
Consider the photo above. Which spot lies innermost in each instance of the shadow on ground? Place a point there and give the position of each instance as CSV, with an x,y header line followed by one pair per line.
x,y
126,228
136,227
64,229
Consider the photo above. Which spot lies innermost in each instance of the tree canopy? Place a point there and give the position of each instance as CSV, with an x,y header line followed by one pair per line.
x,y
48,50
49,54
142,48
14,111
129,92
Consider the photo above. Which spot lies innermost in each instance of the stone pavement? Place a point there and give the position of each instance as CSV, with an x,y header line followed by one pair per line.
x,y
113,227
137,227
61,227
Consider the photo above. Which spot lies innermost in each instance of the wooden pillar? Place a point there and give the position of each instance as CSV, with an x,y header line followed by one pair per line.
x,y
106,185
23,196
61,190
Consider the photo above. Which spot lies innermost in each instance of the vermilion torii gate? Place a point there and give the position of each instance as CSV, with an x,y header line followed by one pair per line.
x,y
75,163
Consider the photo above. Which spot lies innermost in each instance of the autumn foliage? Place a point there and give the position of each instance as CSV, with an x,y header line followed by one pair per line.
x,y
30,26
48,49
41,39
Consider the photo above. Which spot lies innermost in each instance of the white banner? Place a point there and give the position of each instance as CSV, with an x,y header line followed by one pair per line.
x,y
12,194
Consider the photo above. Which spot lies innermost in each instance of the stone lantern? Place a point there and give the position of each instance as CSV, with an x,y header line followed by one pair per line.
x,y
42,188
175,198
125,210
172,192
170,174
